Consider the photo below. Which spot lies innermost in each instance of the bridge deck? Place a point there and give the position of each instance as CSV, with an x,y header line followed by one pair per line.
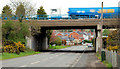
x,y
77,22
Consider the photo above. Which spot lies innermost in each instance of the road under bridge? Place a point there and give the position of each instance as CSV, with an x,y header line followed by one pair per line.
x,y
41,42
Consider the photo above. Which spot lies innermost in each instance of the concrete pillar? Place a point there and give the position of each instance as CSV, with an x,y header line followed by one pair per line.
x,y
45,43
44,39
98,38
31,42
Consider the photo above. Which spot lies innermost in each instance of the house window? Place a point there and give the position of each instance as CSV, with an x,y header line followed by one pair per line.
x,y
71,35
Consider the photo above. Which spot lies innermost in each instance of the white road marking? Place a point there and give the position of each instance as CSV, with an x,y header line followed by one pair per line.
x,y
51,57
23,66
45,59
62,53
78,59
77,54
52,54
35,62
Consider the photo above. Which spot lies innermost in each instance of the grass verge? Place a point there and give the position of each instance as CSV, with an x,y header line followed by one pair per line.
x,y
5,56
109,65
58,47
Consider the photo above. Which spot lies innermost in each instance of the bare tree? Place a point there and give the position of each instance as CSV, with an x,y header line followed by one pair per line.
x,y
29,7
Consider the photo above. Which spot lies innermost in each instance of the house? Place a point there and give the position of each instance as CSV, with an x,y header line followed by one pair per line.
x,y
59,34
75,34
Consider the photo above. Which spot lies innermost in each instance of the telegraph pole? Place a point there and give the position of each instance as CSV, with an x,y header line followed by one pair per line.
x,y
101,24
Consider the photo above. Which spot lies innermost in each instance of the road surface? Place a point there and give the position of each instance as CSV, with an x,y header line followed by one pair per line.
x,y
56,59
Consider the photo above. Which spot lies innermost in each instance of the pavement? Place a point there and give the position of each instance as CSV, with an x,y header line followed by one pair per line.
x,y
89,60
56,59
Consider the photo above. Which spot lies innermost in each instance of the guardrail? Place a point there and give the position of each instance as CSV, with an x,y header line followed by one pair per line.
x,y
53,17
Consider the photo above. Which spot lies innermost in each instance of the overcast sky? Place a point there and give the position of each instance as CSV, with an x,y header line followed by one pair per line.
x,y
65,4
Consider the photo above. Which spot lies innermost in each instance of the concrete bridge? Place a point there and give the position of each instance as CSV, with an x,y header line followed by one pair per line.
x,y
41,42
78,22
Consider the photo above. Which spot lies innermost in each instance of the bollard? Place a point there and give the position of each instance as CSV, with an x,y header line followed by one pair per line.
x,y
103,56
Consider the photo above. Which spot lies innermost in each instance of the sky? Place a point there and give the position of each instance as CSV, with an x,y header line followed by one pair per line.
x,y
65,4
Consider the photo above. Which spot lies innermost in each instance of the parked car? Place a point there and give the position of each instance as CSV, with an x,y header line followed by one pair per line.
x,y
54,45
89,44
84,44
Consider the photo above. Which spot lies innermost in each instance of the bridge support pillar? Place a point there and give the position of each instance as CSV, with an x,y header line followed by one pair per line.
x,y
31,42
38,42
98,38
44,39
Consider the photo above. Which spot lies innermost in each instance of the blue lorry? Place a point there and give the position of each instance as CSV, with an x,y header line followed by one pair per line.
x,y
95,12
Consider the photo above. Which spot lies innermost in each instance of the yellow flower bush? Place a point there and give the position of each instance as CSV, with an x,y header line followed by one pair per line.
x,y
20,46
9,48
113,48
17,47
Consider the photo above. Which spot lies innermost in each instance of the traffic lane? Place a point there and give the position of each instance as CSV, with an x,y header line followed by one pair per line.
x,y
21,61
75,48
54,60
64,60
33,59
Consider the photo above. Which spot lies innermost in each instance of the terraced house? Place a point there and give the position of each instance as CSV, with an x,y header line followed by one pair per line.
x,y
74,35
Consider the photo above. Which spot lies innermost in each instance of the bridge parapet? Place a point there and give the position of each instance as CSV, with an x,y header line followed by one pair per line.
x,y
72,22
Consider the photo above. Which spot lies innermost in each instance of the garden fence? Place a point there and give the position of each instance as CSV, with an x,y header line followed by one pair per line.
x,y
118,61
111,57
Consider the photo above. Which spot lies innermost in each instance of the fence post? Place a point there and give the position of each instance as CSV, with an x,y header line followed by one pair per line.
x,y
107,55
115,59
109,58
118,61
112,58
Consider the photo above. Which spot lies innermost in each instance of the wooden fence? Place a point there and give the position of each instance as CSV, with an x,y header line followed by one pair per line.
x,y
113,58
118,61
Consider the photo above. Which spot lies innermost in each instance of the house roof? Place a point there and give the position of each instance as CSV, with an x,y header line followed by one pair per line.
x,y
65,38
59,34
71,39
79,32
